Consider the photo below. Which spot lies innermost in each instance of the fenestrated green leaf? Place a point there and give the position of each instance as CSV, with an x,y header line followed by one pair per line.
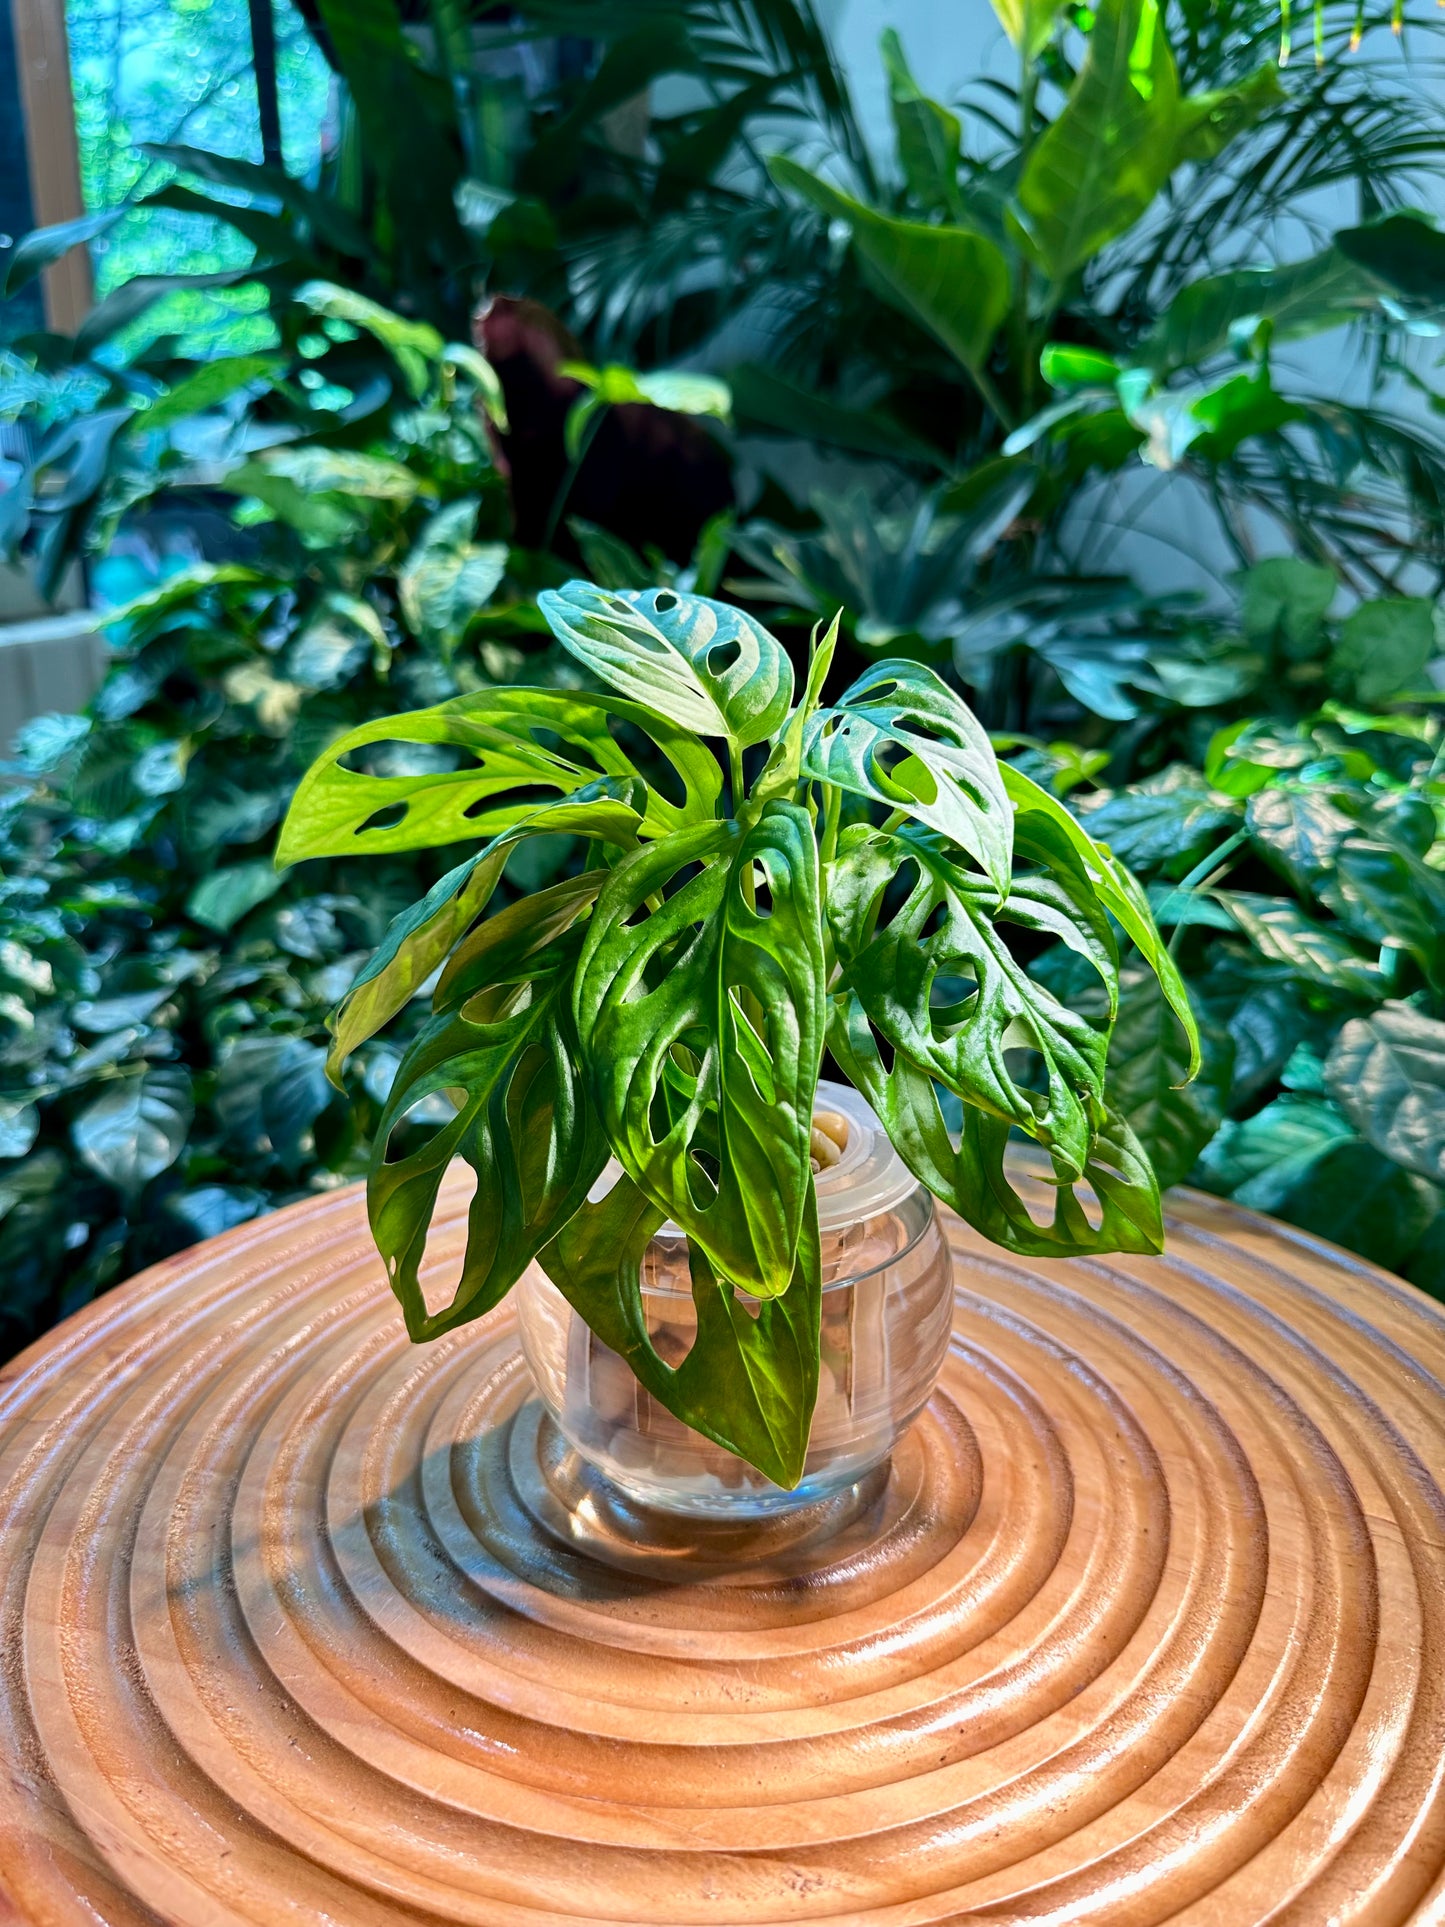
x,y
937,980
1119,891
750,1379
347,812
702,1029
703,665
137,1127
502,1037
953,281
420,938
970,1175
902,737
1387,1074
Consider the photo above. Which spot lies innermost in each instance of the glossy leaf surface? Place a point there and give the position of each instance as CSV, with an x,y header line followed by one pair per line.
x,y
750,1379
701,1022
422,937
501,1039
953,281
508,735
969,1174
705,665
937,980
903,738
1040,814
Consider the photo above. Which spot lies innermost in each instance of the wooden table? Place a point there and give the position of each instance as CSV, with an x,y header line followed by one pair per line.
x,y
304,1625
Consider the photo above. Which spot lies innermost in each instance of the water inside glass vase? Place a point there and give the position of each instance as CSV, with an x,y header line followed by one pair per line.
x,y
886,1314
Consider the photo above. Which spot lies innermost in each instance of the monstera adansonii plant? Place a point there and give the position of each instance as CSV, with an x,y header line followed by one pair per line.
x,y
859,876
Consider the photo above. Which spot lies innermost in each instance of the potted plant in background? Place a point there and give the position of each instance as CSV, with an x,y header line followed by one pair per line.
x,y
629,1060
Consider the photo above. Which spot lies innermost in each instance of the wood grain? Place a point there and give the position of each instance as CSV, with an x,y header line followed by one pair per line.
x,y
299,1624
42,56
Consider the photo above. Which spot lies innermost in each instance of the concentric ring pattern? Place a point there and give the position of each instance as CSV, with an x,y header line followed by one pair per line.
x,y
302,1625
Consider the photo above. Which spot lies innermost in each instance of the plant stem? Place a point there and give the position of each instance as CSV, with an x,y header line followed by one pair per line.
x,y
559,501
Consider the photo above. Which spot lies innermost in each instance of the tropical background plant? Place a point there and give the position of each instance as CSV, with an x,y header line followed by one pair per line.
x,y
667,1007
438,395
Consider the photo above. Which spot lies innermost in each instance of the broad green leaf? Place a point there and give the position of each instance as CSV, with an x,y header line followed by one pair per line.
x,y
902,737
1028,23
19,1128
764,398
416,345
704,665
970,1175
206,387
1264,1155
701,1025
269,1094
342,471
953,281
1383,648
1305,1164
929,137
1382,891
1065,366
1148,1078
937,980
1165,822
502,1039
348,812
1405,253
1387,1074
461,356
1119,891
448,577
323,520
1283,603
1293,301
223,897
420,939
1298,828
1282,933
1210,122
137,1127
22,260
750,1379
1111,149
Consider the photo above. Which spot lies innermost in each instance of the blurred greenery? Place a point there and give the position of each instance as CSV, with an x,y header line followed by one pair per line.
x,y
270,446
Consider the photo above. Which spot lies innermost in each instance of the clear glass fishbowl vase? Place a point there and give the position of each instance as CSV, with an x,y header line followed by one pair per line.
x,y
886,1317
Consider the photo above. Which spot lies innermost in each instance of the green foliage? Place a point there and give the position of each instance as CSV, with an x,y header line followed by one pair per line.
x,y
667,1006
1308,929
163,989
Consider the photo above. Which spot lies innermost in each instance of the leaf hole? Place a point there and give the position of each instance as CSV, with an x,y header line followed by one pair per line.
x,y
385,818
701,1168
526,796
438,1278
721,657
664,601
420,1123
